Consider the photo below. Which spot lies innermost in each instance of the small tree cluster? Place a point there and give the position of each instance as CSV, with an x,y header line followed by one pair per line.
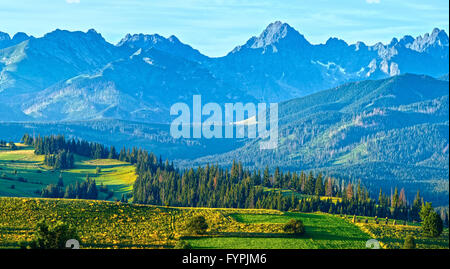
x,y
51,237
84,190
61,160
197,225
10,145
432,224
294,226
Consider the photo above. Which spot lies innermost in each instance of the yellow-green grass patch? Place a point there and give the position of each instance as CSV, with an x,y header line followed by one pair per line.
x,y
323,231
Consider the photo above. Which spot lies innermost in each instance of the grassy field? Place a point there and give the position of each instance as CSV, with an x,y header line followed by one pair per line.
x,y
103,224
117,225
393,236
23,174
371,220
297,195
324,231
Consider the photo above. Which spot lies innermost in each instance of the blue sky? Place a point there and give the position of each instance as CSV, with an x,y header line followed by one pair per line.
x,y
216,26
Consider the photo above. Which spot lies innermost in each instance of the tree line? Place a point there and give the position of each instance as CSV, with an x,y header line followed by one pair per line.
x,y
10,145
216,187
160,183
54,144
84,190
61,160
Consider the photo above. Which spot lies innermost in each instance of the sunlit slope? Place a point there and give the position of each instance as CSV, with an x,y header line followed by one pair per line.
x,y
108,224
23,174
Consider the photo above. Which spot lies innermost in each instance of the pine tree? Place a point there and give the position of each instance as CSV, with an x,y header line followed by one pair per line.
x,y
417,204
112,153
266,177
319,190
432,224
60,181
394,200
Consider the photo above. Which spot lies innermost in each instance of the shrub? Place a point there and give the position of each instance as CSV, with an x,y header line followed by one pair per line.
x,y
52,237
23,244
183,245
409,242
294,226
12,146
197,225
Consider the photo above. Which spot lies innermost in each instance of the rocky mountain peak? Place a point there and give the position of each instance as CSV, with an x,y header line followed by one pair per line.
x,y
275,33
20,37
437,38
336,42
4,36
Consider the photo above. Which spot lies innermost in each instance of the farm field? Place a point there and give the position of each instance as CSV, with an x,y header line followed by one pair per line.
x,y
23,174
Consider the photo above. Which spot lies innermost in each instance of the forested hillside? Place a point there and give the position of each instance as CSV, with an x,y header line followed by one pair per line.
x,y
385,132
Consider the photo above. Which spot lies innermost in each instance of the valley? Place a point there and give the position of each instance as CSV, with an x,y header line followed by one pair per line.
x,y
119,218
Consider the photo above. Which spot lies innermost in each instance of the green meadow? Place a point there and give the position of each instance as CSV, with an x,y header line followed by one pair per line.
x,y
323,231
23,174
103,224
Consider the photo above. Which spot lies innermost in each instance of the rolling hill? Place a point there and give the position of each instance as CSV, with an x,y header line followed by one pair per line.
x,y
23,174
385,132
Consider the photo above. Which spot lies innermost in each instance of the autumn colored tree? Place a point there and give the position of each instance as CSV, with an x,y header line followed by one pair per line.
x,y
349,191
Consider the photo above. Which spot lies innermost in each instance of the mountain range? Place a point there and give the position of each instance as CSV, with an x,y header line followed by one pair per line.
x,y
377,113
67,76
